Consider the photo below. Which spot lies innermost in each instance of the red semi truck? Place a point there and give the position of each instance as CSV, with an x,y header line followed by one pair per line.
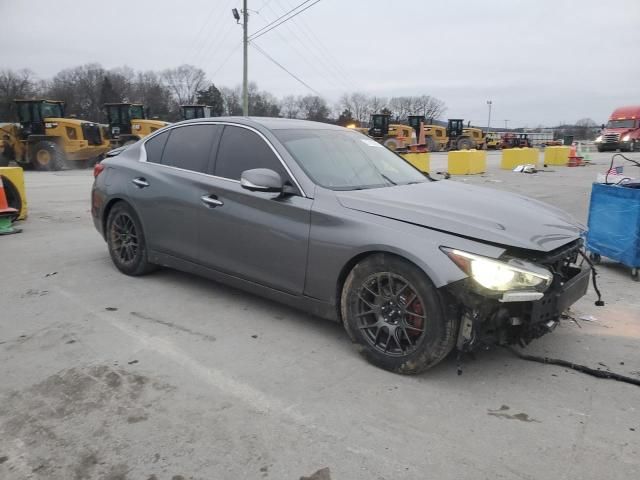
x,y
622,131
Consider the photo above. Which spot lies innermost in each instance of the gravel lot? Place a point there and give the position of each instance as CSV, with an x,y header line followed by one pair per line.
x,y
174,377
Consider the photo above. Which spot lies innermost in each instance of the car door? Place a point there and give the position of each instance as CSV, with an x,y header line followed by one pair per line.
x,y
168,187
253,235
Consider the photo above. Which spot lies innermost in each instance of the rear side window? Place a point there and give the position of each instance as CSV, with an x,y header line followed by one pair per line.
x,y
155,146
190,147
240,150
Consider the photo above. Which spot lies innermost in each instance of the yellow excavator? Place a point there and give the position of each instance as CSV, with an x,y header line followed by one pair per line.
x,y
44,139
128,123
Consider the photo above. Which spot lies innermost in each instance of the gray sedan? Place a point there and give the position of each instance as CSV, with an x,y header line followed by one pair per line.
x,y
325,219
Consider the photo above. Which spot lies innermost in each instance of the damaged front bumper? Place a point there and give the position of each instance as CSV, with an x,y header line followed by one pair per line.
x,y
516,317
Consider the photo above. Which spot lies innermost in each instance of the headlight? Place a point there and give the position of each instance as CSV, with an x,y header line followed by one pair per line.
x,y
136,126
501,276
626,138
599,139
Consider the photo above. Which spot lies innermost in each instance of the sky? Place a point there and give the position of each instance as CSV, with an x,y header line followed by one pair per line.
x,y
540,62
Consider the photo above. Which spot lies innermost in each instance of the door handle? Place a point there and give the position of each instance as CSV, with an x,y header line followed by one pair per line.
x,y
211,201
140,182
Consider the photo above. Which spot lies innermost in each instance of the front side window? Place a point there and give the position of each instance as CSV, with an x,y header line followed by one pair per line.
x,y
136,112
189,147
51,110
344,160
240,150
113,112
24,113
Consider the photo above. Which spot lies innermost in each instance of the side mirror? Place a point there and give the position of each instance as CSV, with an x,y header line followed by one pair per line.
x,y
261,180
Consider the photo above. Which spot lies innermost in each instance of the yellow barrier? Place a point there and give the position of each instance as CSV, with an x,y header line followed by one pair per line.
x,y
556,155
467,162
512,157
420,160
13,181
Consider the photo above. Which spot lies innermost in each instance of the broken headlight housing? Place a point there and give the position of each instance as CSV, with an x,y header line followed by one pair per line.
x,y
501,276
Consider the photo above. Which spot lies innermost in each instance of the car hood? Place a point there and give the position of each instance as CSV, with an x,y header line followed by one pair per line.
x,y
474,212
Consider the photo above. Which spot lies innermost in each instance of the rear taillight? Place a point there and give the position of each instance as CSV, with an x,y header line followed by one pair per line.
x,y
97,169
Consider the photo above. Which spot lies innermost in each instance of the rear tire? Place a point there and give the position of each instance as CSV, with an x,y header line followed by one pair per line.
x,y
126,241
392,144
465,144
395,315
431,144
47,155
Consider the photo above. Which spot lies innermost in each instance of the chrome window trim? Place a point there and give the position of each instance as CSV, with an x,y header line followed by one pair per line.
x,y
143,156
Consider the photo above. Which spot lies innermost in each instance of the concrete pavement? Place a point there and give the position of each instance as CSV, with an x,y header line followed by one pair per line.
x,y
171,376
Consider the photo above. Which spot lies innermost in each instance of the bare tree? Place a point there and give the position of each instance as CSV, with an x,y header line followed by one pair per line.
x,y
184,82
314,108
290,106
429,106
376,104
14,84
231,101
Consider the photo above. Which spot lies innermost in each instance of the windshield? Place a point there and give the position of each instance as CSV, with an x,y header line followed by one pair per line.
x,y
620,124
347,160
51,110
190,113
136,112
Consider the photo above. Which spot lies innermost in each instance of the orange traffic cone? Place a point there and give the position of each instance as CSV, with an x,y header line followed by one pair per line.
x,y
7,214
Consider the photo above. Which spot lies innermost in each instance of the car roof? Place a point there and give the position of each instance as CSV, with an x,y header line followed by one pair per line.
x,y
271,123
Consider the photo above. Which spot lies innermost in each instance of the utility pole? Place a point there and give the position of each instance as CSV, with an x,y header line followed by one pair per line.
x,y
245,42
489,102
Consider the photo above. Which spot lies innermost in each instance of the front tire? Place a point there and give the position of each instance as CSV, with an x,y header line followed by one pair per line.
x,y
126,241
395,315
47,155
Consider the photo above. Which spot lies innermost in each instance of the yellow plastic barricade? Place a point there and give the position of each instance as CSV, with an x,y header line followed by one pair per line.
x,y
467,162
512,157
420,160
556,155
13,181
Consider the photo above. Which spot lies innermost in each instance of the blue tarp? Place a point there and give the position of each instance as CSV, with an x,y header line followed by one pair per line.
x,y
614,223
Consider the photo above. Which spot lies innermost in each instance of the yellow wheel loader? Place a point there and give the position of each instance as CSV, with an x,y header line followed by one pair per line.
x,y
44,139
391,135
128,123
477,135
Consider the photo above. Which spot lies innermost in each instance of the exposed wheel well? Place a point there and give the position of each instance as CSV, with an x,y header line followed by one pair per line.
x,y
105,213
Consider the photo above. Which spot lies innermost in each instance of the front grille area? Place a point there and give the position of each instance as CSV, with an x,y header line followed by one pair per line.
x,y
91,133
560,261
611,138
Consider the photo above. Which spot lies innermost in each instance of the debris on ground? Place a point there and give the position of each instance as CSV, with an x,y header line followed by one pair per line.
x,y
111,309
50,274
528,168
322,474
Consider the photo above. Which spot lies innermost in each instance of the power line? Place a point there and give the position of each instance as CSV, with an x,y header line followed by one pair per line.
x,y
280,17
331,67
308,31
257,35
214,37
257,47
316,66
224,62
